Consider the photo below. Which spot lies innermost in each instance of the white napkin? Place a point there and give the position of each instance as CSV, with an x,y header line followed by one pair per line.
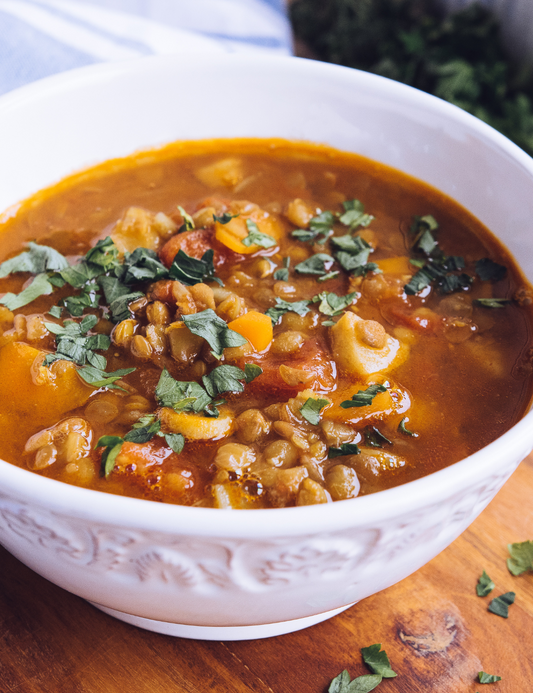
x,y
42,37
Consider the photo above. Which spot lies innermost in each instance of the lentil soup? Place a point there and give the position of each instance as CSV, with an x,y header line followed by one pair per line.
x,y
250,324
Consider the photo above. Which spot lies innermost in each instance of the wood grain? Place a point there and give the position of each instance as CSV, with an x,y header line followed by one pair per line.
x,y
436,631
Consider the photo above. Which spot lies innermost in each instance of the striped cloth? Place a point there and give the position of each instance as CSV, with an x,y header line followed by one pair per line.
x,y
42,37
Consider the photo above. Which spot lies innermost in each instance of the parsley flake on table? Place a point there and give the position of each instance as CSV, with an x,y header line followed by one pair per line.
x,y
256,237
311,409
488,678
377,661
500,605
362,684
521,559
214,330
484,585
363,398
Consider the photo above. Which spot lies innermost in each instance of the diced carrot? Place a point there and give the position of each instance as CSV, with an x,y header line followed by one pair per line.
x,y
33,394
236,230
255,327
396,265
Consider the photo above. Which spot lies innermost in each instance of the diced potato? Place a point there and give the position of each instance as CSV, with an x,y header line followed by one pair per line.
x,y
223,173
354,354
33,394
196,426
140,228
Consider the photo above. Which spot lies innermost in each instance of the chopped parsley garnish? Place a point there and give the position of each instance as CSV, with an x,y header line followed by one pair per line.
x,y
282,274
329,275
374,438
422,230
363,398
521,559
345,449
89,298
141,432
489,271
352,253
282,307
224,218
214,330
73,343
500,605
256,237
488,678
181,395
188,221
118,296
226,378
331,304
144,430
318,264
484,585
439,271
112,445
376,659
36,260
320,228
189,270
492,302
311,409
191,396
97,377
40,286
402,428
143,265
354,214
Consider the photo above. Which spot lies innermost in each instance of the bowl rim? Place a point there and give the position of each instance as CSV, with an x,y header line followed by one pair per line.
x,y
60,497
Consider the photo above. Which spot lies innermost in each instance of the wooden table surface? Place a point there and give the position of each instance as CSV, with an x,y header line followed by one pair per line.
x,y
436,631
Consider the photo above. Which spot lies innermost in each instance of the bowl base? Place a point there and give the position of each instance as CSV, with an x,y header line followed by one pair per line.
x,y
180,630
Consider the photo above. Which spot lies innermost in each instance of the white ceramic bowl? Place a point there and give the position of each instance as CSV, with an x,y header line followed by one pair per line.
x,y
217,574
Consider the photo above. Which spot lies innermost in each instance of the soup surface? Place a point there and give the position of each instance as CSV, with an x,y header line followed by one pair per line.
x,y
250,324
